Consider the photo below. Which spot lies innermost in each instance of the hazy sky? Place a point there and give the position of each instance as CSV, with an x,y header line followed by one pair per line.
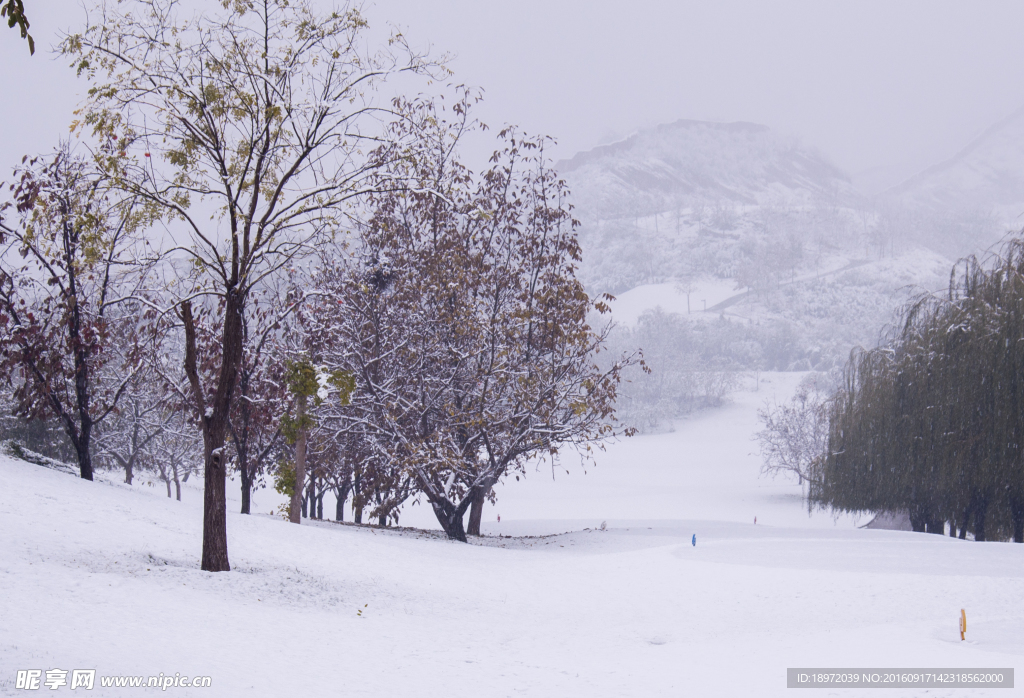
x,y
895,85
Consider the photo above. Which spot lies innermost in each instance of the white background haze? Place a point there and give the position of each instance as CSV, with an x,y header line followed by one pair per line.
x,y
884,89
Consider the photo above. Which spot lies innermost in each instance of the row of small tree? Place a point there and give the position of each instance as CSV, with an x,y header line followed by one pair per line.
x,y
932,421
260,265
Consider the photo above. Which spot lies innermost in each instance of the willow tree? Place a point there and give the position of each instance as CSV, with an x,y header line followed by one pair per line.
x,y
250,128
932,421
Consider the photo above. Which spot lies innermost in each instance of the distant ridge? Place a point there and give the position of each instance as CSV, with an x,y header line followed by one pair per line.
x,y
742,163
586,156
988,171
960,155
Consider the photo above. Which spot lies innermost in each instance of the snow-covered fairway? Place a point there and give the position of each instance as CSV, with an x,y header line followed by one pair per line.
x,y
99,576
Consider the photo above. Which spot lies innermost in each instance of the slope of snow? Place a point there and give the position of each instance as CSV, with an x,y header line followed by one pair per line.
x,y
671,297
102,576
988,172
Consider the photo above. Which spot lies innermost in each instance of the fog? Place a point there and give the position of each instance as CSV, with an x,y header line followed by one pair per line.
x,y
883,89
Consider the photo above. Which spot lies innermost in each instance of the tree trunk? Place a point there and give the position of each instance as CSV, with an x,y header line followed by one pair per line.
x,y
168,481
81,445
214,420
177,482
964,522
476,511
357,502
215,524
129,473
342,495
450,518
917,520
1017,518
83,397
979,521
243,470
300,462
382,517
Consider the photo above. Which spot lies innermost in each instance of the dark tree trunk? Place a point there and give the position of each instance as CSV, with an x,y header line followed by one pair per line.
x,y
357,502
299,488
937,527
964,522
979,520
1017,518
215,524
83,395
85,464
382,516
342,495
476,511
450,518
80,442
246,478
129,472
214,420
917,521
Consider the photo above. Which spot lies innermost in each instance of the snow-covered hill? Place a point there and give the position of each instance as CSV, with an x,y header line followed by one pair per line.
x,y
732,225
986,175
105,577
741,163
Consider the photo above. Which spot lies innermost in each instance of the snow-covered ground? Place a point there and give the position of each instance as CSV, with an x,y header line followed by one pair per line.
x,y
671,297
102,576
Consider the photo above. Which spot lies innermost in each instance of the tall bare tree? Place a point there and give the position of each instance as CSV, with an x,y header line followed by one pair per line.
x,y
261,115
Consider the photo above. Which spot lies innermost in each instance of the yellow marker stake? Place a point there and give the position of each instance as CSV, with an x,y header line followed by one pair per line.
x,y
963,624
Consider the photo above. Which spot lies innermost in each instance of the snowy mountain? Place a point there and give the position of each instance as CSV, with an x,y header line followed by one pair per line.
x,y
700,198
673,164
732,225
987,174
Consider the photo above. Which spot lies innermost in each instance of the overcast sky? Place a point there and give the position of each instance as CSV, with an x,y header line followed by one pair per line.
x,y
895,85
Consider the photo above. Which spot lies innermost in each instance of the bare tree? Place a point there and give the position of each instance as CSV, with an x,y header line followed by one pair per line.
x,y
795,434
75,238
261,114
465,325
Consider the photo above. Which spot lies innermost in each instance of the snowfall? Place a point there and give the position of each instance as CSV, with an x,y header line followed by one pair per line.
x,y
549,602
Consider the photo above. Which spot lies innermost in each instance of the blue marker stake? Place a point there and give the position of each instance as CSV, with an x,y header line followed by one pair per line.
x,y
694,541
